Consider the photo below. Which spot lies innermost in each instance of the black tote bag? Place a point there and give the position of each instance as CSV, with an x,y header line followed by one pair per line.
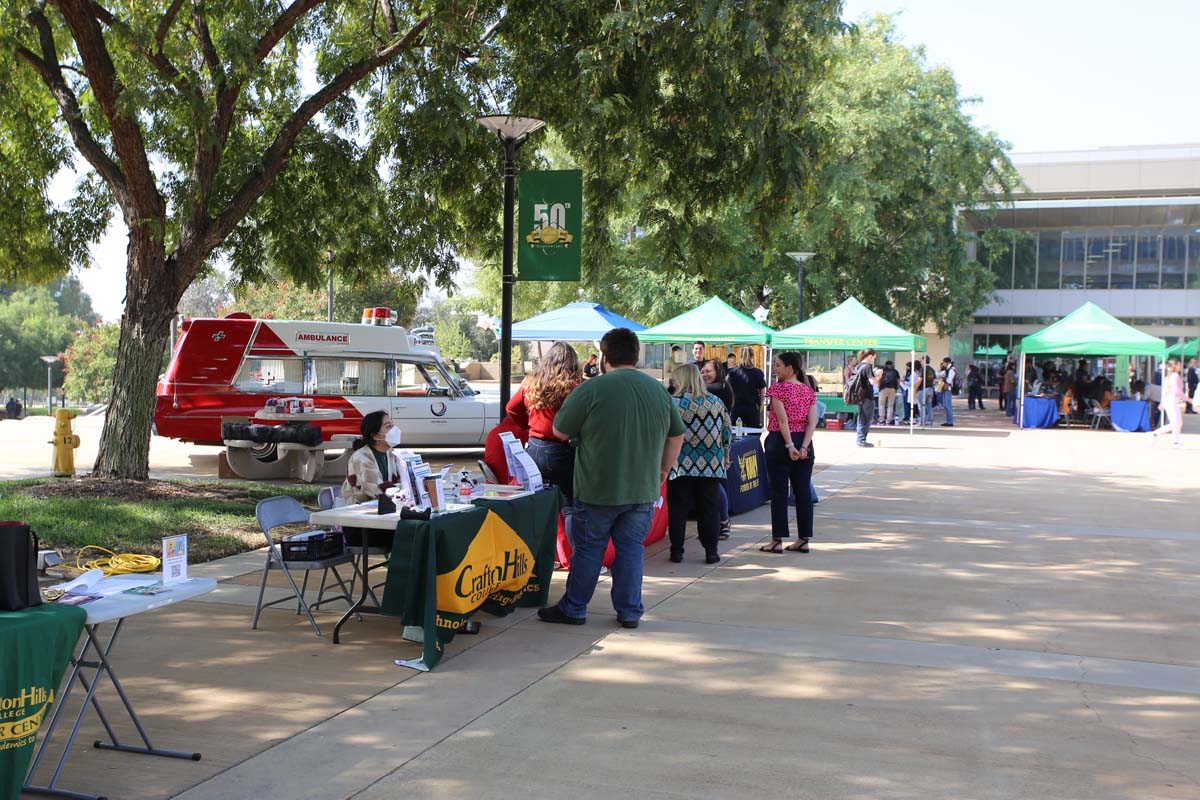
x,y
18,567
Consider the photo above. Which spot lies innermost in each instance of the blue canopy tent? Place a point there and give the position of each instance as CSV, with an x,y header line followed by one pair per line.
x,y
574,322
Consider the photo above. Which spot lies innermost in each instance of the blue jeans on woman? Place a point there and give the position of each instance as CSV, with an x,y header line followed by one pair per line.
x,y
627,526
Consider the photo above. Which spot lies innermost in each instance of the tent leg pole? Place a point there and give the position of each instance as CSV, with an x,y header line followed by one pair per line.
x,y
912,358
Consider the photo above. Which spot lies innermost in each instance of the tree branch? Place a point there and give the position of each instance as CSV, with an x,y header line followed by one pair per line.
x,y
144,198
47,67
155,57
286,21
164,26
276,155
207,48
389,16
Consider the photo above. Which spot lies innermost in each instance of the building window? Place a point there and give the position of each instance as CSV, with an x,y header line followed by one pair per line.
x,y
1097,259
1074,259
1192,279
1049,259
1025,260
1174,258
998,259
1148,242
349,376
1123,247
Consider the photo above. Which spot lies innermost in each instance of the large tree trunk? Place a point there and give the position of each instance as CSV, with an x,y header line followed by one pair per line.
x,y
150,303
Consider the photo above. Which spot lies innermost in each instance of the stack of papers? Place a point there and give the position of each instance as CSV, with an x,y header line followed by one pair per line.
x,y
93,582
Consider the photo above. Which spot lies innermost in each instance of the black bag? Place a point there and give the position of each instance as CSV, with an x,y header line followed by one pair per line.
x,y
18,567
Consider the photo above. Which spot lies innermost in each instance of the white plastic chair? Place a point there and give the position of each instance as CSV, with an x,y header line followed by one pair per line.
x,y
1099,414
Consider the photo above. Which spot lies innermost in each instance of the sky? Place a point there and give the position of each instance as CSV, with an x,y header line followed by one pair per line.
x,y
1048,75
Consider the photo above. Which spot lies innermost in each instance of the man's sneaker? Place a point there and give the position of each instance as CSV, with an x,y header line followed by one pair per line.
x,y
628,623
865,444
947,424
555,614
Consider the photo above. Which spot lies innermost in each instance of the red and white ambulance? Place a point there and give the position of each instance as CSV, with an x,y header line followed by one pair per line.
x,y
229,367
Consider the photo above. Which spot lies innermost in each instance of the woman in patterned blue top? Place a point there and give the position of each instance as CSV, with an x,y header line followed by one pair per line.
x,y
695,481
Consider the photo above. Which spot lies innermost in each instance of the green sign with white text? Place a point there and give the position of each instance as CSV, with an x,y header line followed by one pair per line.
x,y
550,225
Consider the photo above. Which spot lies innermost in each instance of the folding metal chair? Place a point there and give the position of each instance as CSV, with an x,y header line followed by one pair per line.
x,y
1099,414
327,499
275,512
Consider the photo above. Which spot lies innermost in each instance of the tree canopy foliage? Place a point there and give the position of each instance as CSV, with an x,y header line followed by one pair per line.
x,y
33,325
90,364
275,132
898,158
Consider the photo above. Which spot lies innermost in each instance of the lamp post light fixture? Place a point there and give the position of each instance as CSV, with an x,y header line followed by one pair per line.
x,y
49,383
800,258
512,132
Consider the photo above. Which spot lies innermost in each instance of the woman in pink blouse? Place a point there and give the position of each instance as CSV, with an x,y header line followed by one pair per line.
x,y
789,452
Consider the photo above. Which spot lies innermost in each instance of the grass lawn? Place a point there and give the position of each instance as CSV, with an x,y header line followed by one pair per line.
x,y
132,517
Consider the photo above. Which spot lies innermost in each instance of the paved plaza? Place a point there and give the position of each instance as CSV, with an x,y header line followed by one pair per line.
x,y
986,613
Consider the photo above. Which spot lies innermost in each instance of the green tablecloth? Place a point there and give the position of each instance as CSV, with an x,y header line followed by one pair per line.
x,y
35,647
496,557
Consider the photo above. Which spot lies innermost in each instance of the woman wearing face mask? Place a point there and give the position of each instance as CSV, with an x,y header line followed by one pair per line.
x,y
372,469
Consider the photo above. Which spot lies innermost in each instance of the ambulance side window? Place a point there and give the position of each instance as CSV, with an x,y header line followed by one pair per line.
x,y
360,377
271,376
411,380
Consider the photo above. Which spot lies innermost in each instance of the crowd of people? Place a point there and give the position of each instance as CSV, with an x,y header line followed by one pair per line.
x,y
610,438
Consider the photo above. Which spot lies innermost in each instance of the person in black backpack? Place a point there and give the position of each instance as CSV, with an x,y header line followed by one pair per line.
x,y
889,384
863,390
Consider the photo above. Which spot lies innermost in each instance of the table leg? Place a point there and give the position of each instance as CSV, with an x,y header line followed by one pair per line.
x,y
362,597
102,665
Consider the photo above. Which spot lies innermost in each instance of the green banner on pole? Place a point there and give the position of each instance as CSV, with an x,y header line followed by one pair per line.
x,y
550,225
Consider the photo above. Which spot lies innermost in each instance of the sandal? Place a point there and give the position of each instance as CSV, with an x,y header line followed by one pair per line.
x,y
774,547
798,547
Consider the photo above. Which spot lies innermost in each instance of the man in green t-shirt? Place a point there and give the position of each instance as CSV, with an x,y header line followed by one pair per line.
x,y
628,433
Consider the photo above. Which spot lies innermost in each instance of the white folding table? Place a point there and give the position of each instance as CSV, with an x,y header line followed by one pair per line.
x,y
114,608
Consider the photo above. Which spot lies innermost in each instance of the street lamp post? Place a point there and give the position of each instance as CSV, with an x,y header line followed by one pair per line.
x,y
50,383
800,258
512,132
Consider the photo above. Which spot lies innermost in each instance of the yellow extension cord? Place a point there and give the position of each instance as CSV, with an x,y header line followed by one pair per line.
x,y
116,563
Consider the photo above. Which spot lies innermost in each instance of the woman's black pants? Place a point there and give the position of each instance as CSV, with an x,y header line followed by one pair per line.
x,y
703,495
787,474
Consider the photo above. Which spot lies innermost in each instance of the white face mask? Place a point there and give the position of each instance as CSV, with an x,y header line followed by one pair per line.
x,y
393,437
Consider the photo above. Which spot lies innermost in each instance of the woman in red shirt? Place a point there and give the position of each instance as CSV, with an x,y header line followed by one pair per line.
x,y
789,453
539,399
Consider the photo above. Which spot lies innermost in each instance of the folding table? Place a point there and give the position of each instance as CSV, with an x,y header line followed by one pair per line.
x,y
114,608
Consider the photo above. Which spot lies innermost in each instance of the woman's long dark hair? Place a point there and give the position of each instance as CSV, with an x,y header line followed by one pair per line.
x,y
795,363
371,424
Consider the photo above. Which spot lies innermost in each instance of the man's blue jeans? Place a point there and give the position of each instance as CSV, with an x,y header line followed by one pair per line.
x,y
946,400
1011,409
866,413
593,526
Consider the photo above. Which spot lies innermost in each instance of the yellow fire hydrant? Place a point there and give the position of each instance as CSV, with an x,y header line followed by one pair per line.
x,y
65,442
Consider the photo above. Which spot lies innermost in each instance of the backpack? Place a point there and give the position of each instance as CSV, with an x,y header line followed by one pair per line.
x,y
956,384
854,392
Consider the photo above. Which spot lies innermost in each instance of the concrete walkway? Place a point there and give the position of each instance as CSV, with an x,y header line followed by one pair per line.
x,y
987,613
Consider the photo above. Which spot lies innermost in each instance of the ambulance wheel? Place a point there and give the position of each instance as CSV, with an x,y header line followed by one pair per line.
x,y
266,453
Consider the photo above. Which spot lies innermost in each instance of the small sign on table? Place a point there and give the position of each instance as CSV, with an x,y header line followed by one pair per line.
x,y
174,566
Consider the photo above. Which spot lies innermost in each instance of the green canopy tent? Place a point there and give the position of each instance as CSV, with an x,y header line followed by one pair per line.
x,y
713,321
1087,331
850,326
1184,349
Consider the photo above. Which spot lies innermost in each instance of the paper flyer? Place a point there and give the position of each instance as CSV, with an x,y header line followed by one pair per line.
x,y
174,561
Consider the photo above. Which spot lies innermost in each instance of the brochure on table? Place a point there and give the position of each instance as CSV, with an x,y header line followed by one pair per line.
x,y
520,463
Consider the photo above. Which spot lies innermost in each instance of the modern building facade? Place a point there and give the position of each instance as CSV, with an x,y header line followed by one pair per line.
x,y
1117,226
